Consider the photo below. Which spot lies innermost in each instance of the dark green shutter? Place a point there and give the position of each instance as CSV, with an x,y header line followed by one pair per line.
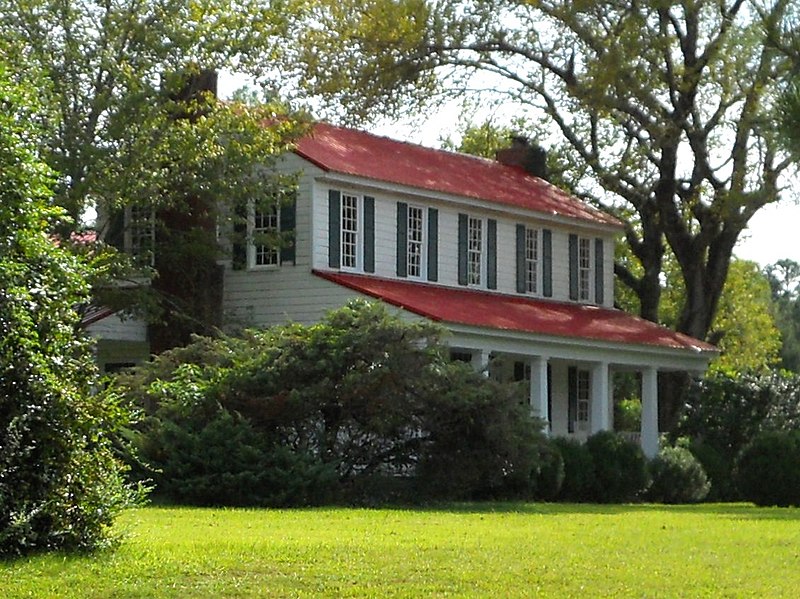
x,y
369,234
491,253
462,249
572,398
402,239
598,271
573,267
547,263
433,244
239,253
334,228
288,232
522,286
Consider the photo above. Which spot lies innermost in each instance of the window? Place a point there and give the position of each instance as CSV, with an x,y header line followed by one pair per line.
x,y
583,390
415,227
584,269
531,260
265,228
474,250
349,249
140,234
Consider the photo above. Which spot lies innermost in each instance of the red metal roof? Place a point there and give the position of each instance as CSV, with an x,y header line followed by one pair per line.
x,y
518,313
352,152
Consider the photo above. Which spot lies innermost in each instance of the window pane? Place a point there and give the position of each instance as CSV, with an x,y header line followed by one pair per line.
x,y
415,241
265,222
349,231
531,260
584,268
474,250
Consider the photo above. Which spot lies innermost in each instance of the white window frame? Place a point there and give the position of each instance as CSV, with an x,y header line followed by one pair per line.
x,y
257,252
476,251
583,391
584,268
417,242
351,212
532,260
140,226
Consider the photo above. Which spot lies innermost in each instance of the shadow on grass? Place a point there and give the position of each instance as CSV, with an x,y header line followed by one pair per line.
x,y
735,511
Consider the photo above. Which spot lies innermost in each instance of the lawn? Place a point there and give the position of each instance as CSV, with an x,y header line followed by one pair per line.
x,y
485,550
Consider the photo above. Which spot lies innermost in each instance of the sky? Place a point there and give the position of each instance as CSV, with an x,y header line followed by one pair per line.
x,y
773,233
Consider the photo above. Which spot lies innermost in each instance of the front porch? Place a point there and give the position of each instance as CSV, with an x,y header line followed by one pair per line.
x,y
574,396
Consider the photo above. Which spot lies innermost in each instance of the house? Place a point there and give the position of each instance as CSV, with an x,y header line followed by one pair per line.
x,y
519,272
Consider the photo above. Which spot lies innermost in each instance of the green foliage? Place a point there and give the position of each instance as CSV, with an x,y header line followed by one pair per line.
x,y
723,414
620,468
628,415
784,278
678,477
579,477
361,401
768,469
60,483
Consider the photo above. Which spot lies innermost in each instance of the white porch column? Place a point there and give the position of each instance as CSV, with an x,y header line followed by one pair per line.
x,y
600,397
650,412
480,360
539,390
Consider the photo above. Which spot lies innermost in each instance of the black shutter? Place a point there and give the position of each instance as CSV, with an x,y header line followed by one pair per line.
x,y
547,263
573,267
288,233
334,228
522,286
572,398
491,253
402,239
369,234
433,244
462,249
239,252
599,296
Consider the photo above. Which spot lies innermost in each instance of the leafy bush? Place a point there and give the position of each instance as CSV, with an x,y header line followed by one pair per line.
x,y
60,482
724,413
768,469
628,415
678,477
370,406
620,468
548,477
579,478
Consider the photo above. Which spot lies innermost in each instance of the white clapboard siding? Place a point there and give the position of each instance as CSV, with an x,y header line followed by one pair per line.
x,y
115,327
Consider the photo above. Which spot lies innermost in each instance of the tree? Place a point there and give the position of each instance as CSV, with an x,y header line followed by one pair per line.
x,y
60,482
784,278
128,92
661,108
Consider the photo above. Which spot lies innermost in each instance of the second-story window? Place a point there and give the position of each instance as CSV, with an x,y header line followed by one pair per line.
x,y
416,222
474,250
584,269
265,229
141,232
531,260
350,231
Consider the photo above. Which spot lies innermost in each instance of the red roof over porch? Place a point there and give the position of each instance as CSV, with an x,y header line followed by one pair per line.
x,y
517,313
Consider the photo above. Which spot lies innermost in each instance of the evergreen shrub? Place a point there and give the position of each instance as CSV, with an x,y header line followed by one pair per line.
x,y
767,471
579,478
620,468
678,477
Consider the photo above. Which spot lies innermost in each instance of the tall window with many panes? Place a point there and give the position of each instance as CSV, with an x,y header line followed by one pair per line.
x,y
415,241
583,391
584,269
265,226
350,231
474,250
531,260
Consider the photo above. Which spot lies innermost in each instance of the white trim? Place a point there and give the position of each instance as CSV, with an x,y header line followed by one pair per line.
x,y
422,242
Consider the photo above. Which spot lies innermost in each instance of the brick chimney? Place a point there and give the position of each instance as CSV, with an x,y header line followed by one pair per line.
x,y
530,157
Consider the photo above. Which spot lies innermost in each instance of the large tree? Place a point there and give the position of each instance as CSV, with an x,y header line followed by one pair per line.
x,y
661,108
132,121
61,484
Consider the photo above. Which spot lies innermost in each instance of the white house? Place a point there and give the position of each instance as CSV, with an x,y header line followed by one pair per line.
x,y
519,272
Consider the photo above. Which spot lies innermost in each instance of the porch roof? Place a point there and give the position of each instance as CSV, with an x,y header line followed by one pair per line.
x,y
518,313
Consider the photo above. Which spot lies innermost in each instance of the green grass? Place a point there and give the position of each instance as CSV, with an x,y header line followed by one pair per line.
x,y
485,550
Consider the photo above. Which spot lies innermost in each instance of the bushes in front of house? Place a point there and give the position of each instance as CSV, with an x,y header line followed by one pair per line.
x,y
767,471
360,408
677,477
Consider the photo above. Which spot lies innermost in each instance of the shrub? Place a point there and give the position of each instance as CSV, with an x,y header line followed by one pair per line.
x,y
620,467
369,406
768,470
718,467
579,478
678,477
548,477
